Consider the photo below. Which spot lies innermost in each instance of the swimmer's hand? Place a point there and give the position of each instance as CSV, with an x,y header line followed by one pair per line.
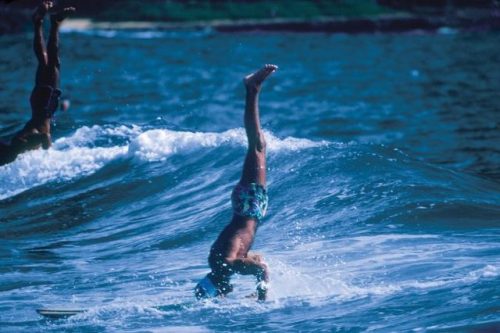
x,y
262,288
46,142
262,275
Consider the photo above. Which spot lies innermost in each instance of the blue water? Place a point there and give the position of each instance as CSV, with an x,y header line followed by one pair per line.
x,y
383,171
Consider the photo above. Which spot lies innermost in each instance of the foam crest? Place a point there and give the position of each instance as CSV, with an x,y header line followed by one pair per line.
x,y
88,136
39,167
289,281
90,148
488,271
158,144
275,144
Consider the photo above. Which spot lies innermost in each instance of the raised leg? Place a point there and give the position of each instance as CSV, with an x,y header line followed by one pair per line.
x,y
44,96
38,39
54,62
38,97
254,167
36,132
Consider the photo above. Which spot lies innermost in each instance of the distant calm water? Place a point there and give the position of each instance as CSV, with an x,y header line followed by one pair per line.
x,y
384,183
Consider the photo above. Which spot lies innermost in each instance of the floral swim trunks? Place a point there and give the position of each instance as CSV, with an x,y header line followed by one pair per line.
x,y
250,200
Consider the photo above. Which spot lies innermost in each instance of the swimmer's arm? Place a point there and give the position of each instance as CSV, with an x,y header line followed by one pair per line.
x,y
252,266
41,139
33,140
46,140
249,266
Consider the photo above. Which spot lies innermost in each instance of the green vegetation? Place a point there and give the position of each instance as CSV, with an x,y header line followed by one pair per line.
x,y
204,10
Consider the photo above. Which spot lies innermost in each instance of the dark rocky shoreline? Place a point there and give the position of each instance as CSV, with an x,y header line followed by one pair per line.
x,y
363,25
15,21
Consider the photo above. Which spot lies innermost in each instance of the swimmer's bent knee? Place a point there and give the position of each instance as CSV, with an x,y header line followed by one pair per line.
x,y
258,142
261,144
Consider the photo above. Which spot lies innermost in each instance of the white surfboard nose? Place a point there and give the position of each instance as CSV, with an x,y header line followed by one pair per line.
x,y
58,313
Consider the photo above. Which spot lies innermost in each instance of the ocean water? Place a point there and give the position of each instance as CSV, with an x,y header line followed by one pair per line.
x,y
383,174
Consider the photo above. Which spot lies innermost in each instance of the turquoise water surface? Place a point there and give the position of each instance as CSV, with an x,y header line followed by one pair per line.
x,y
383,171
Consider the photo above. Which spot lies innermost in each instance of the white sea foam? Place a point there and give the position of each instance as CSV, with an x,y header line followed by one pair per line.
x,y
291,281
156,145
343,270
488,271
291,285
39,167
78,155
70,157
87,136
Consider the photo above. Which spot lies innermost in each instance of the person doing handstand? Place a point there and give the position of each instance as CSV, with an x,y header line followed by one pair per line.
x,y
45,96
230,252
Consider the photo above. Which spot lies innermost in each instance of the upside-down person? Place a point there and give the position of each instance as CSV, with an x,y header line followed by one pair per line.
x,y
46,94
230,252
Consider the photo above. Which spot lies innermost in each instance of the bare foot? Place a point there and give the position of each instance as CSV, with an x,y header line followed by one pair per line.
x,y
254,80
61,14
42,10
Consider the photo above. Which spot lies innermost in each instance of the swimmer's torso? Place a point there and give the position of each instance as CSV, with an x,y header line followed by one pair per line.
x,y
235,240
